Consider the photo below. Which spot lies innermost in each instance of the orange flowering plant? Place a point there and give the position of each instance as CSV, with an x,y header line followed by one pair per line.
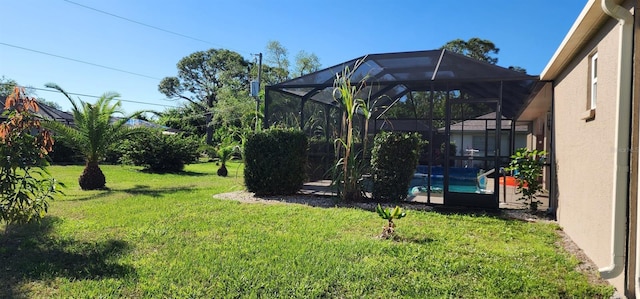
x,y
25,184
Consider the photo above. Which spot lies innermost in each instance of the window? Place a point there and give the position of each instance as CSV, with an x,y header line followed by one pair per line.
x,y
593,81
592,90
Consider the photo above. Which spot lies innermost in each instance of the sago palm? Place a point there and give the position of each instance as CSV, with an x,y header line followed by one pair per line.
x,y
92,133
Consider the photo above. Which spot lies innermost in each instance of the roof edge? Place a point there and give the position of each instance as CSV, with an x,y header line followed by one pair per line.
x,y
585,25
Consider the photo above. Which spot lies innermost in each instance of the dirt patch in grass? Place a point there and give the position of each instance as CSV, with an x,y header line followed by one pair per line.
x,y
314,201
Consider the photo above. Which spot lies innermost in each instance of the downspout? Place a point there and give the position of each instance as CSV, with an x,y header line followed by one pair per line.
x,y
622,128
633,199
553,188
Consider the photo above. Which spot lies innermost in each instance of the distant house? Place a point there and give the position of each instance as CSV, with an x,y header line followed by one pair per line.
x,y
399,125
472,137
48,112
45,111
586,117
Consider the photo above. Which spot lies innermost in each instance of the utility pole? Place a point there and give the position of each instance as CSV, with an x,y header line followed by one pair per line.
x,y
259,82
255,89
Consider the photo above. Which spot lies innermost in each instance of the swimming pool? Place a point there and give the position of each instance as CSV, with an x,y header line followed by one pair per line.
x,y
461,180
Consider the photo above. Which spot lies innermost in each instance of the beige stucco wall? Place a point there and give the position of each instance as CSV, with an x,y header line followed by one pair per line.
x,y
584,149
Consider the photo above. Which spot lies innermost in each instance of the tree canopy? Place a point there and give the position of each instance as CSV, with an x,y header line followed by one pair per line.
x,y
214,83
6,86
306,63
278,64
481,49
201,78
277,56
202,74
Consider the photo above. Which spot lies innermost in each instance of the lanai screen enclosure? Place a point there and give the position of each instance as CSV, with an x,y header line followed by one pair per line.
x,y
463,107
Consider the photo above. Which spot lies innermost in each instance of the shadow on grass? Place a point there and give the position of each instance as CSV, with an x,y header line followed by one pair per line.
x,y
417,240
30,252
179,173
154,192
370,206
466,211
136,190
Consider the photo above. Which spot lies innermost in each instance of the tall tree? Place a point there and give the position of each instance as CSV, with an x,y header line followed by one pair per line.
x,y
481,49
93,132
277,56
7,86
201,76
306,63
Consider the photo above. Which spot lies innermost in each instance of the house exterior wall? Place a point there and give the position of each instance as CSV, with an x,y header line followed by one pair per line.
x,y
584,148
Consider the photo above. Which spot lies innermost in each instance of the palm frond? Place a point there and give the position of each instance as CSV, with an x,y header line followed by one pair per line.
x,y
94,129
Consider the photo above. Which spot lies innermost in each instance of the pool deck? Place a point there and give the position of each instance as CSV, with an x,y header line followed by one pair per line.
x,y
508,199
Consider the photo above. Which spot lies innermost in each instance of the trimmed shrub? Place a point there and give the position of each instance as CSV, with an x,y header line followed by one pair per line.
x,y
275,161
393,163
158,152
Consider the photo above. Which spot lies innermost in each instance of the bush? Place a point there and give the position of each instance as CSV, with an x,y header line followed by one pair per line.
x,y
275,161
393,162
26,187
65,152
158,152
113,154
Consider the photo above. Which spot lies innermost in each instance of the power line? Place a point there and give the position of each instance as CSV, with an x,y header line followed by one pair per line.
x,y
90,96
80,61
149,26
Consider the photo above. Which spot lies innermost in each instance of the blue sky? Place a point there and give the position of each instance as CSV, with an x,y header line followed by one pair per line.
x,y
527,33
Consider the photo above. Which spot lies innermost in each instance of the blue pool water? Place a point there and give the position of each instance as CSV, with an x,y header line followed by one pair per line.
x,y
462,180
463,189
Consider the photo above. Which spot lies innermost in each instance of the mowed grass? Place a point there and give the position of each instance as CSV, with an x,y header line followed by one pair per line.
x,y
153,235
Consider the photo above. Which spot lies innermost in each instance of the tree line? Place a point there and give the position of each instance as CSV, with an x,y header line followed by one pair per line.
x,y
215,87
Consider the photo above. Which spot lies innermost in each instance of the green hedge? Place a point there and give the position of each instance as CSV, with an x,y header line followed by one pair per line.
x,y
275,161
393,163
158,152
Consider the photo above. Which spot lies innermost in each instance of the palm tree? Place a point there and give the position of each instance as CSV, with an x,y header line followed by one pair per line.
x,y
225,153
92,133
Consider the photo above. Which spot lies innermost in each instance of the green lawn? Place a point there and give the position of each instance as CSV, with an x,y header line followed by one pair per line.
x,y
155,235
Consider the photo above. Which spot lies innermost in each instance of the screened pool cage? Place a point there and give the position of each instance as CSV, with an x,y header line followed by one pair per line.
x,y
464,108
